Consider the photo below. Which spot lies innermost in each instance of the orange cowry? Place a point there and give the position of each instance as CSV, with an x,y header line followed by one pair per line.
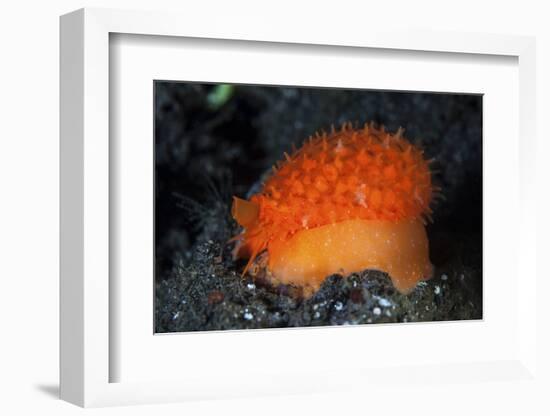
x,y
344,202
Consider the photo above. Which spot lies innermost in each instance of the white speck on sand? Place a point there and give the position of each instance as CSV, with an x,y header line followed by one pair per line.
x,y
385,303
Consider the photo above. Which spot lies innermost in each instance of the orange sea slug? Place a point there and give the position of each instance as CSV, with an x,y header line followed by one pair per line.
x,y
344,202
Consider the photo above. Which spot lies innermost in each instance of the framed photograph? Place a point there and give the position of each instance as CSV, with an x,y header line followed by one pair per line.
x,y
258,213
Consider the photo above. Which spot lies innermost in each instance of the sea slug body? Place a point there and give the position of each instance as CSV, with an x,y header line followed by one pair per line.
x,y
344,202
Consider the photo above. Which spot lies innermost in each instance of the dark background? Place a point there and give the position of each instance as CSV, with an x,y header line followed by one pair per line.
x,y
215,141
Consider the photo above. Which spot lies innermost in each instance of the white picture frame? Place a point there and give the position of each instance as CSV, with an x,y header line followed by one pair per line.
x,y
86,353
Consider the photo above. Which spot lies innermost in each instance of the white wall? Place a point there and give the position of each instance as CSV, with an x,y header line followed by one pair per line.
x,y
29,193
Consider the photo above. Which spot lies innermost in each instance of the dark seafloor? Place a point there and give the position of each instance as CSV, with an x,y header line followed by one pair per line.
x,y
212,142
